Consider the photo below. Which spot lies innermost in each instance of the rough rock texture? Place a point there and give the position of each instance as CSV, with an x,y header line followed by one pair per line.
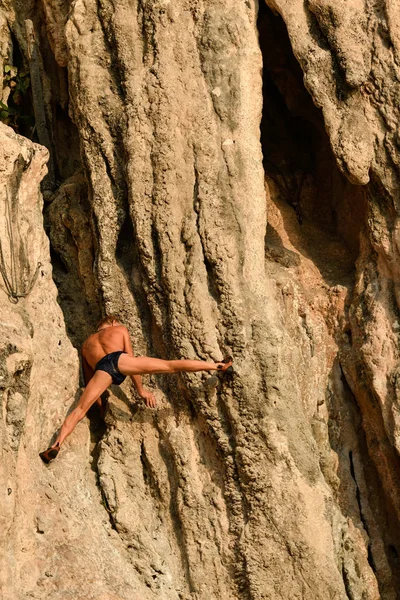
x,y
51,525
355,82
280,483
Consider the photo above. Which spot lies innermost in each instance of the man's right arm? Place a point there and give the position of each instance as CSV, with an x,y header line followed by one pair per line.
x,y
87,370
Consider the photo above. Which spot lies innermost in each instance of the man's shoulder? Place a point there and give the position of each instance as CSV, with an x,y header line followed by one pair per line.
x,y
85,343
118,329
84,347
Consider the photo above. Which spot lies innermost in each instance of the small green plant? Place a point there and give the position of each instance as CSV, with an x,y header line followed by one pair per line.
x,y
18,82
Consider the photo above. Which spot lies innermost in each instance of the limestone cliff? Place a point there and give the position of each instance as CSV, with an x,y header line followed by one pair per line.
x,y
223,176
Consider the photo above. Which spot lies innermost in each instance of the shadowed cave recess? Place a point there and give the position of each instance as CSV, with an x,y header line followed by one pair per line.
x,y
323,223
322,214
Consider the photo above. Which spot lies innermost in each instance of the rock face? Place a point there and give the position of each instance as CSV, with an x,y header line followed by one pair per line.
x,y
279,483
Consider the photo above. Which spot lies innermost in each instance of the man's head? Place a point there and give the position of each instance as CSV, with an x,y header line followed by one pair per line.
x,y
108,321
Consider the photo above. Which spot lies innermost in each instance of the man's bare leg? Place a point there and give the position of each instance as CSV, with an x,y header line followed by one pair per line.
x,y
145,365
96,386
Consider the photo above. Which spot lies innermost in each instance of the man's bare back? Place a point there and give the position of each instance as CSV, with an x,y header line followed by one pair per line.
x,y
105,341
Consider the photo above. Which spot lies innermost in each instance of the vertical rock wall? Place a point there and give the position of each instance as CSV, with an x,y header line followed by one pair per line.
x,y
257,487
51,525
349,56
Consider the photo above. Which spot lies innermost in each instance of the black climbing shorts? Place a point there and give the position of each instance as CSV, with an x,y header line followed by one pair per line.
x,y
109,364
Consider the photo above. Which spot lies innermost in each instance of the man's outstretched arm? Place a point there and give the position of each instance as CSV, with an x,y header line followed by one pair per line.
x,y
137,379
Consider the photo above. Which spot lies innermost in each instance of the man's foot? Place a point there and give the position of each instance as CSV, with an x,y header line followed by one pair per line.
x,y
226,365
50,453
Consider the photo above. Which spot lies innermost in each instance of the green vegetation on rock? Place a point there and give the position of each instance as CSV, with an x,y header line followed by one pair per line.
x,y
12,111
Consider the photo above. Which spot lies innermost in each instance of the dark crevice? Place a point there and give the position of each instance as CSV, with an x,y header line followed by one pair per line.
x,y
125,248
290,129
59,266
211,279
167,453
127,257
76,296
239,570
212,284
380,502
63,133
106,162
358,494
149,476
160,336
52,99
300,168
368,505
362,517
146,24
227,455
97,428
23,121
342,89
370,558
225,423
116,68
110,513
157,254
347,584
347,331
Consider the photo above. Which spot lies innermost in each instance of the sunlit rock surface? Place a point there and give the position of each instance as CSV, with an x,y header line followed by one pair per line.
x,y
279,483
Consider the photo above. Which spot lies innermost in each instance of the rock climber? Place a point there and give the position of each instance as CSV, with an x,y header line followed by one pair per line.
x,y
107,357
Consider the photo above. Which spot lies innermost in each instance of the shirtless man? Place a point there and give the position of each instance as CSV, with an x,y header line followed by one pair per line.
x,y
107,357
